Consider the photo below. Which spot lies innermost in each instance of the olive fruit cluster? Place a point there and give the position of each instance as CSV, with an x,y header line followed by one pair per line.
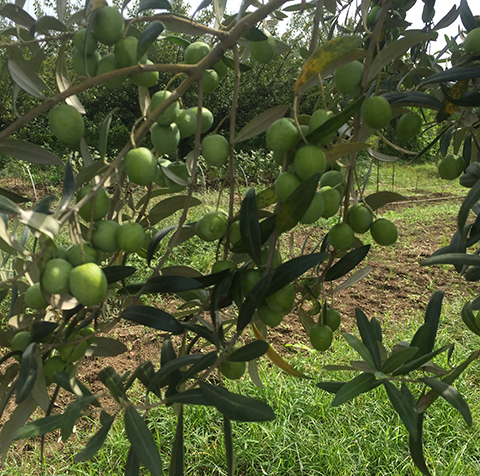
x,y
108,28
86,282
305,160
70,351
273,308
321,334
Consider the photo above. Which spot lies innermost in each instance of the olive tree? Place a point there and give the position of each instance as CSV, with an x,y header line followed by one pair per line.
x,y
368,73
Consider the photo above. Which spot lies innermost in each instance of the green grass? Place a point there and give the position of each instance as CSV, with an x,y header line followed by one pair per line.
x,y
414,179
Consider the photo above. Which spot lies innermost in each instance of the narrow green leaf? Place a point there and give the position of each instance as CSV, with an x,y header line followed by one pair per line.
x,y
292,269
432,317
176,463
88,172
254,34
97,440
296,204
118,273
353,279
469,318
236,407
145,373
14,197
207,361
451,395
425,401
347,263
219,9
467,17
231,64
360,384
261,123
154,5
397,359
72,385
17,15
72,413
168,207
360,347
106,347
380,199
204,4
368,337
229,452
416,447
250,227
414,98
27,374
176,40
39,427
403,407
300,7
221,298
342,150
15,422
156,239
41,222
173,365
200,331
112,381
250,351
461,259
102,145
132,467
471,199
265,198
142,442
415,364
333,124
46,23
394,50
68,189
189,397
8,207
446,140
26,80
153,317
331,387
149,36
171,284
252,301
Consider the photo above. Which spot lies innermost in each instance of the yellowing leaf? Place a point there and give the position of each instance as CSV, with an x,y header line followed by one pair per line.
x,y
277,360
326,55
456,92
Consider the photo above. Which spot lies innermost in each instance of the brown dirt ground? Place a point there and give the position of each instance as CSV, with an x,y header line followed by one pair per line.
x,y
397,288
